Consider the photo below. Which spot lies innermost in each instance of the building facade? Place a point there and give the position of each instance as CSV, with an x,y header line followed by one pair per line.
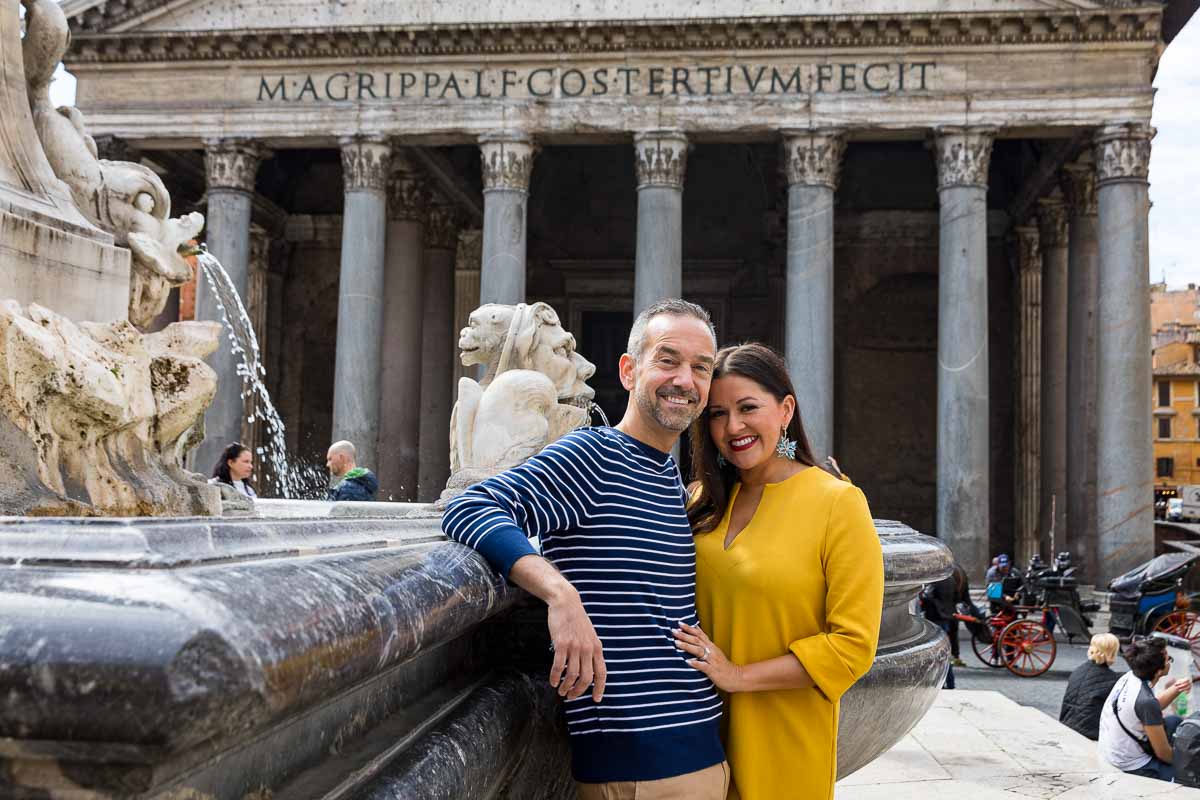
x,y
937,210
1176,412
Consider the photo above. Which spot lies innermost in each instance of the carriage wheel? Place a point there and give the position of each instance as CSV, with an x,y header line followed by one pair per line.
x,y
1181,623
1027,647
986,652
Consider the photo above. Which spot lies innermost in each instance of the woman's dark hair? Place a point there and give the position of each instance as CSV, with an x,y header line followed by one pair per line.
x,y
231,453
711,483
1145,657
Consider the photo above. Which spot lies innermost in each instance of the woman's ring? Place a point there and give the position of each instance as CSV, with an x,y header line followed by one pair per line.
x,y
705,656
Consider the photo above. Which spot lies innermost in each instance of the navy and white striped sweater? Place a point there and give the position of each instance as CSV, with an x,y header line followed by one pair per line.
x,y
609,512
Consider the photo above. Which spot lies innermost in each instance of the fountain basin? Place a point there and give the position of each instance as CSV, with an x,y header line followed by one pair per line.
x,y
320,657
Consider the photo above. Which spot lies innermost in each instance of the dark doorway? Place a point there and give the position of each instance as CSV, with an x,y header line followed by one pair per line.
x,y
605,334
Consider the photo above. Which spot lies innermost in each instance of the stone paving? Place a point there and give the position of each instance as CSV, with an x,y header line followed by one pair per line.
x,y
979,745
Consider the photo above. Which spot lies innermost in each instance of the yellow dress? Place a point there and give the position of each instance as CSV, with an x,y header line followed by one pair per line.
x,y
805,576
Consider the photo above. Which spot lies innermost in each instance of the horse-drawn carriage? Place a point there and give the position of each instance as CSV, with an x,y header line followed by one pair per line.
x,y
1018,634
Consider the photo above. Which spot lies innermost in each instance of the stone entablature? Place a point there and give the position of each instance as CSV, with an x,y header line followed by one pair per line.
x,y
1007,27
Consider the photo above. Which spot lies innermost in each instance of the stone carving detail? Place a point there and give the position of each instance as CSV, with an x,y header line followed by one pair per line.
x,y
441,227
1079,189
469,256
232,164
126,199
1029,252
366,163
533,391
507,162
660,158
813,158
1052,221
1122,153
963,156
408,192
96,418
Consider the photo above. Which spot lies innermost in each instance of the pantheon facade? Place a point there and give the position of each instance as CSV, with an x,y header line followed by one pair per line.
x,y
937,209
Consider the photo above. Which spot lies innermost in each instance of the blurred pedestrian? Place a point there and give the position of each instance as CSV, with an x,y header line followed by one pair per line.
x,y
234,468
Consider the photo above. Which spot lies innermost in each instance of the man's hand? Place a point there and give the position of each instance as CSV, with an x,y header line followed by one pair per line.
x,y
577,649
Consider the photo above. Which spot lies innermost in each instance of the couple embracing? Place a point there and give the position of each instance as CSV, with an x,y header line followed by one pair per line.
x,y
702,636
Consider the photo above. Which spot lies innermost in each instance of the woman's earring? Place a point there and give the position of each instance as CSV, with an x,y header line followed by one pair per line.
x,y
721,462
785,447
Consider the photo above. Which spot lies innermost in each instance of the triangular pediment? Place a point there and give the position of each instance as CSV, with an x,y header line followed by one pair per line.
x,y
160,16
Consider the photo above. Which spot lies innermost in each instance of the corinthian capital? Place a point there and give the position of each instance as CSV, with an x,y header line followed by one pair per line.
x,y
1122,153
1079,187
963,156
408,192
441,226
813,158
507,161
366,162
1052,221
232,163
660,158
1029,253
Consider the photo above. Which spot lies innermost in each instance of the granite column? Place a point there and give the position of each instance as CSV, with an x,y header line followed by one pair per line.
x,y
231,167
963,475
365,168
507,165
400,356
1028,390
811,162
1052,228
1124,447
438,348
1079,186
660,158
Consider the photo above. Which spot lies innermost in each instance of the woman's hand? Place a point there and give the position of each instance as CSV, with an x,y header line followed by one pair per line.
x,y
708,659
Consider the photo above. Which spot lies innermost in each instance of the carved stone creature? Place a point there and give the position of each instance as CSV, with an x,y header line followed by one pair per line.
x,y
126,199
533,391
95,419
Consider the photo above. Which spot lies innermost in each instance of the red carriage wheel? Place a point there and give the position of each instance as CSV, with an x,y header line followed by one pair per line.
x,y
1027,647
987,652
1180,623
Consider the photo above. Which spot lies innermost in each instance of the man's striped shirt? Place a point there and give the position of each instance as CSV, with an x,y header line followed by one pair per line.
x,y
609,511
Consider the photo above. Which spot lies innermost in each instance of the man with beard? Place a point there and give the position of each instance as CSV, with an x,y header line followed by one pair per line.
x,y
617,571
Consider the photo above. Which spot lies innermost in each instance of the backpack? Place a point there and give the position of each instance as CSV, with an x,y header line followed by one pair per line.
x,y
1187,752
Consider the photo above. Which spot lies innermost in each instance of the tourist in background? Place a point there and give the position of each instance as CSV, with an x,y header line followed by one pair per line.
x,y
789,581
1089,686
938,603
1135,736
350,481
234,468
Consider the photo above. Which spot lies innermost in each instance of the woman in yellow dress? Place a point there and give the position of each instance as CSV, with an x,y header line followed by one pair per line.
x,y
789,581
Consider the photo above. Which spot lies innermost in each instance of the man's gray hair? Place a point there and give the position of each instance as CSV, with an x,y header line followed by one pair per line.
x,y
343,448
675,306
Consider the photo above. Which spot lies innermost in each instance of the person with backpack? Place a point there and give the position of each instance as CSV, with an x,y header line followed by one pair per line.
x,y
1135,736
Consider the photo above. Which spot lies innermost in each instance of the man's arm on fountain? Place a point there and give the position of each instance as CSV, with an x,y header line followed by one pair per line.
x,y
548,493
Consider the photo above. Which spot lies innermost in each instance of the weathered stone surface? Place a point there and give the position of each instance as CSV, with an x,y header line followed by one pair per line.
x,y
98,417
126,199
158,657
533,391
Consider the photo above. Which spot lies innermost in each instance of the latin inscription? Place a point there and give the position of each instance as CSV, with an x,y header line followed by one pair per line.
x,y
877,77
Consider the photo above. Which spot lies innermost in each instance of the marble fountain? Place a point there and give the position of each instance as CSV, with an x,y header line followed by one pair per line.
x,y
150,647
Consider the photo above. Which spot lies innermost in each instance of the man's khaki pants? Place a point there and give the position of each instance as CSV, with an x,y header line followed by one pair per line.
x,y
706,784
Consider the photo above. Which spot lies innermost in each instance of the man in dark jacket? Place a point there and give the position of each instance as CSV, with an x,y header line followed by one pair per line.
x,y
1089,686
351,482
938,602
